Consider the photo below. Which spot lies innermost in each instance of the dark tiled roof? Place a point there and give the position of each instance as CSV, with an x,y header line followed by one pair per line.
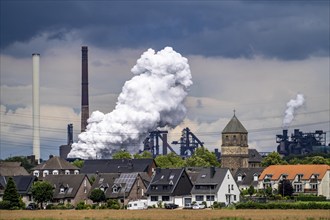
x,y
247,176
209,176
254,156
234,126
164,181
116,166
70,183
12,169
23,183
56,163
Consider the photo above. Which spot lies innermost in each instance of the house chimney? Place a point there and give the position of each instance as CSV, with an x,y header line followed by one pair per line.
x,y
212,171
84,88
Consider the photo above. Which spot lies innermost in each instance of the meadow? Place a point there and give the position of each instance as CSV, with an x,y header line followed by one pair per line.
x,y
162,214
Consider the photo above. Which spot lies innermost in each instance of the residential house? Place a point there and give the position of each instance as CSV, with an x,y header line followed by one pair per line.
x,y
12,169
119,166
23,186
305,179
169,186
54,166
215,185
124,187
69,188
246,177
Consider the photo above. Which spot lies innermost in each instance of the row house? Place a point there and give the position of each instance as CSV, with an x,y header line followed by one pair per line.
x,y
246,177
124,187
305,179
69,188
193,185
54,166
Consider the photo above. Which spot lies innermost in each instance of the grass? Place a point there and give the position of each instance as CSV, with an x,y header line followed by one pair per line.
x,y
162,214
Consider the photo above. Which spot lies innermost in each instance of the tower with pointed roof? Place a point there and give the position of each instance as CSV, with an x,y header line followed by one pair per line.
x,y
234,148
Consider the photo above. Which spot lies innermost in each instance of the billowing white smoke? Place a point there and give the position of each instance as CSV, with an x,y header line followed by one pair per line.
x,y
292,105
152,98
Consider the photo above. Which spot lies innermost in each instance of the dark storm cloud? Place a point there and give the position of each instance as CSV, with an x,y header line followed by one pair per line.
x,y
280,29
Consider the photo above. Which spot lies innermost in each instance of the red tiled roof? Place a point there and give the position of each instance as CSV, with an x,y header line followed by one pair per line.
x,y
292,170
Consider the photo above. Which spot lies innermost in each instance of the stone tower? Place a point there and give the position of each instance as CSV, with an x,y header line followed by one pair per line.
x,y
234,148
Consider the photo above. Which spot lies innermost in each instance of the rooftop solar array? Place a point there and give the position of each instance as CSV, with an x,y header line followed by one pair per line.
x,y
127,179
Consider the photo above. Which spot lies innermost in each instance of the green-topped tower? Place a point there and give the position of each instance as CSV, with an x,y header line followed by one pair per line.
x,y
234,148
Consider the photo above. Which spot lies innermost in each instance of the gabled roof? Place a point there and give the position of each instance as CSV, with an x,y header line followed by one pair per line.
x,y
254,156
70,183
12,169
55,163
234,126
247,175
23,183
291,171
165,181
210,176
116,166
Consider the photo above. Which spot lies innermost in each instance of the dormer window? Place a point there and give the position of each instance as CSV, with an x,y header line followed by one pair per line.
x,y
299,177
171,177
115,188
255,177
45,173
76,172
62,190
55,172
203,176
36,173
67,172
239,177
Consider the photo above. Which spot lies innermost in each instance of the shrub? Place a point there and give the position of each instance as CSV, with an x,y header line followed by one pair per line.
x,y
5,204
283,205
113,204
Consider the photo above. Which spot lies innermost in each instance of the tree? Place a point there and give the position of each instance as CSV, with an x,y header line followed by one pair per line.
x,y
144,154
285,188
202,157
170,160
42,191
78,163
97,195
11,195
273,158
122,155
251,190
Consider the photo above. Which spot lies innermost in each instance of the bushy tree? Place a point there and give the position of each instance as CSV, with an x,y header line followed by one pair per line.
x,y
122,155
170,160
273,158
78,163
251,190
97,195
42,191
144,154
11,195
202,157
24,162
113,204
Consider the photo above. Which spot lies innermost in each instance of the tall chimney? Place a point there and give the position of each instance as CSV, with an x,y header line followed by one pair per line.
x,y
84,88
70,134
36,106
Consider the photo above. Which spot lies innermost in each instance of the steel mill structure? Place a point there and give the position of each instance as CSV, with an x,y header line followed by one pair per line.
x,y
302,143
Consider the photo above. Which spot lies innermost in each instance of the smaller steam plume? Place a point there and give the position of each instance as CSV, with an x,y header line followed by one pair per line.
x,y
152,98
292,105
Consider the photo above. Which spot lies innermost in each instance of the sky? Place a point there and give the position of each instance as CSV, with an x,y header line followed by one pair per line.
x,y
249,56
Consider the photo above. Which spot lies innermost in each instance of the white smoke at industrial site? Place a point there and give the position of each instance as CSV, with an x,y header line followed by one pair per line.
x,y
152,98
292,105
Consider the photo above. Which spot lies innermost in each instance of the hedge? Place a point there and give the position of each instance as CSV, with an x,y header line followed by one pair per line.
x,y
283,205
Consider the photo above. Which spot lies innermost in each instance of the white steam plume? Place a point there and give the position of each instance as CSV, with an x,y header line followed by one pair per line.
x,y
152,98
291,106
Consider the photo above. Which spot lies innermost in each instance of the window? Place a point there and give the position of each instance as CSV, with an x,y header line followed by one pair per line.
x,y
234,197
154,187
255,177
228,176
162,177
232,187
154,198
203,176
36,173
299,177
76,172
165,198
55,172
239,178
297,187
62,190
199,198
209,198
314,186
45,173
171,177
67,172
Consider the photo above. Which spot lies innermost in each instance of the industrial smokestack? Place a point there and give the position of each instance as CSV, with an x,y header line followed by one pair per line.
x,y
84,88
70,134
36,106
